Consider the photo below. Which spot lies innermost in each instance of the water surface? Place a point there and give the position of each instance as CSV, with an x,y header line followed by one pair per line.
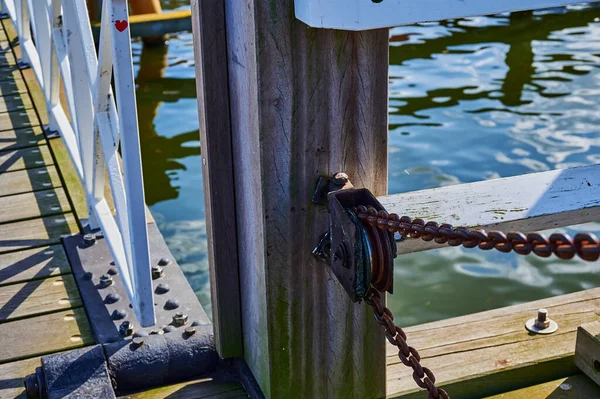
x,y
470,100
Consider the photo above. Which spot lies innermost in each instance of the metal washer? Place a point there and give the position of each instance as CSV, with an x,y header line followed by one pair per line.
x,y
530,325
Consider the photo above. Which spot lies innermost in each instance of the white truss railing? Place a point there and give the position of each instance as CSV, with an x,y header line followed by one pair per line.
x,y
56,41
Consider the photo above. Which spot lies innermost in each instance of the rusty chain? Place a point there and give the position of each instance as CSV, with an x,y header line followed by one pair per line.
x,y
407,354
585,245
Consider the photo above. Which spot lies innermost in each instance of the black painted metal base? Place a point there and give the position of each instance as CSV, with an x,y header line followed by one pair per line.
x,y
51,134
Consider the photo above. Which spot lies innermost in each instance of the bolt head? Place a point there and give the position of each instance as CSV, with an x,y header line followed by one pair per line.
x,y
162,288
113,297
157,272
164,261
112,271
106,280
180,319
118,314
190,331
89,240
339,179
137,341
126,328
172,304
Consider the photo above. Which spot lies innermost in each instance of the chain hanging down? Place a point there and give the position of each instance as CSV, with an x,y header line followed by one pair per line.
x,y
584,245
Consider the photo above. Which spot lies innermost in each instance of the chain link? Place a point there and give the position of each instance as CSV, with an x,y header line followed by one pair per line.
x,y
584,245
407,354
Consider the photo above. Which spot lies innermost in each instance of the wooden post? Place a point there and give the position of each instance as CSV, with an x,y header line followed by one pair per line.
x,y
302,103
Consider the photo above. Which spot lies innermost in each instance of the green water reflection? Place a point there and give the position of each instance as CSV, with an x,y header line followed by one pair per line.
x,y
470,100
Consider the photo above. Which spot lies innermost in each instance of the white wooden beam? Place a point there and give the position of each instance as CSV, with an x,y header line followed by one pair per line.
x,y
526,203
369,14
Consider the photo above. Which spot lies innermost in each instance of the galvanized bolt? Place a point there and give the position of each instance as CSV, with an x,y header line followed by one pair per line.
x,y
112,298
89,240
137,341
118,314
172,304
126,328
157,272
112,271
164,261
339,179
162,288
180,319
542,324
106,280
190,331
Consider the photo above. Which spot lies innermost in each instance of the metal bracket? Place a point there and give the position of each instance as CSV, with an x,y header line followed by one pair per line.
x,y
21,64
51,134
105,298
4,15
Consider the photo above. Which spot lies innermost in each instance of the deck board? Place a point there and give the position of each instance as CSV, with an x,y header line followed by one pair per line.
x,y
36,336
33,205
25,158
33,263
27,180
12,377
577,386
197,389
36,232
38,297
491,352
22,138
18,119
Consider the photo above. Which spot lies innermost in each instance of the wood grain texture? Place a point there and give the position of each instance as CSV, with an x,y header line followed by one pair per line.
x,y
218,174
27,180
575,387
491,352
34,263
12,377
36,232
15,139
587,350
14,102
304,103
36,336
196,389
37,297
25,158
526,203
33,205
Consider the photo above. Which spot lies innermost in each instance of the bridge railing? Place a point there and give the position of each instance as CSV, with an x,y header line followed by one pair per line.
x,y
56,41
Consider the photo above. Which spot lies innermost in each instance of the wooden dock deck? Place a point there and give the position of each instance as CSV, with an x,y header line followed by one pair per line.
x,y
41,311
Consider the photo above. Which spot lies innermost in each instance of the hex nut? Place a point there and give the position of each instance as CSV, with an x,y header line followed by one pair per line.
x,y
180,319
89,240
126,328
106,280
157,272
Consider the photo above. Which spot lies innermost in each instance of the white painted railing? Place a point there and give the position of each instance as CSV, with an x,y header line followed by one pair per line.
x,y
56,41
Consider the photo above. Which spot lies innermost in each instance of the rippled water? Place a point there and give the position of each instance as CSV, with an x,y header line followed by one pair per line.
x,y
470,100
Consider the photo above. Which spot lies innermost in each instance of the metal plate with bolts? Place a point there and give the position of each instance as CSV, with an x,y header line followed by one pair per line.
x,y
104,295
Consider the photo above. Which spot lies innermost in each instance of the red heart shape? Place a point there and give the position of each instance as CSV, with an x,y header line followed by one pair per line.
x,y
121,25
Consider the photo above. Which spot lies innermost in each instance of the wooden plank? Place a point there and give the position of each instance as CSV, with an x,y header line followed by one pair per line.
x,y
33,205
491,352
37,297
34,263
218,177
364,15
587,350
40,335
303,103
12,88
15,139
36,232
14,102
530,202
26,180
196,389
18,119
12,382
575,387
25,158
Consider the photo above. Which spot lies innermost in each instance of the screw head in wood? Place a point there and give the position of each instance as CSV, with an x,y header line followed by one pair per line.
x,y
542,324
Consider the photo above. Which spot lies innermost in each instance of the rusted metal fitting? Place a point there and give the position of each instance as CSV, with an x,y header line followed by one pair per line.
x,y
126,328
105,280
340,179
325,185
189,331
157,272
137,341
180,319
541,324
